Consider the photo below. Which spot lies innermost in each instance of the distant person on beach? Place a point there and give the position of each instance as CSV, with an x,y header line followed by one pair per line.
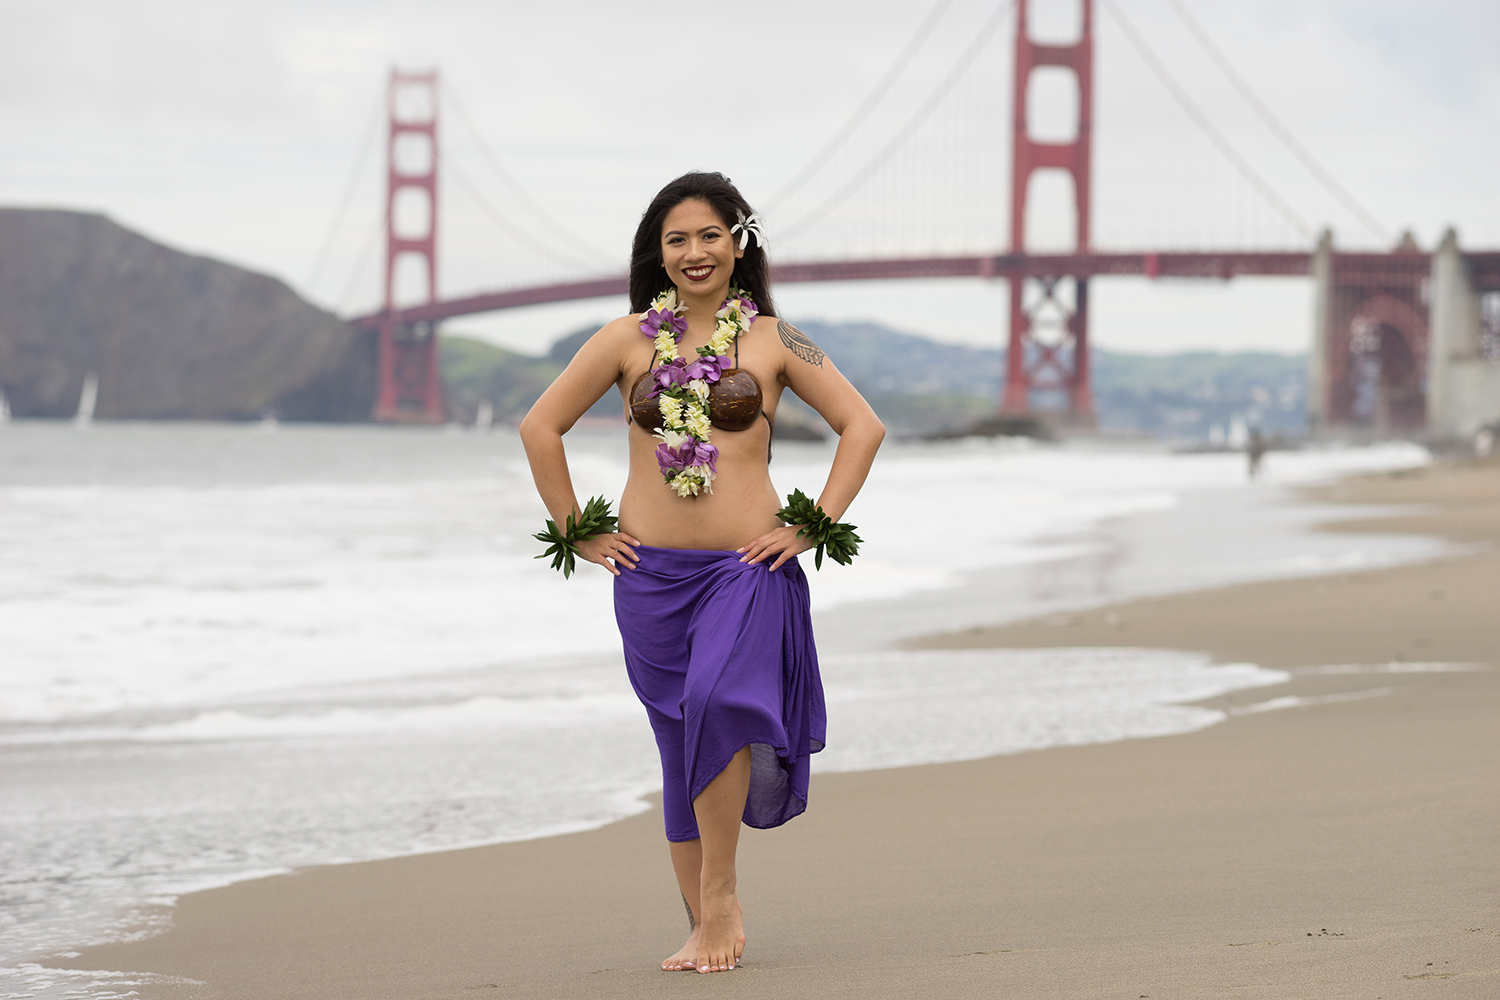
x,y
1255,450
709,597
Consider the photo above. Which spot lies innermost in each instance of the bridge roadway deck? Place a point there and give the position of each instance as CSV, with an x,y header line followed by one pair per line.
x,y
1201,264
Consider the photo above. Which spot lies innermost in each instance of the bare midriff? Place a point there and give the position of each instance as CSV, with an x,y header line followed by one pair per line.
x,y
741,508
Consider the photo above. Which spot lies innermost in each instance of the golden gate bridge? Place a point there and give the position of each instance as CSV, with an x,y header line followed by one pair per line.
x,y
1403,339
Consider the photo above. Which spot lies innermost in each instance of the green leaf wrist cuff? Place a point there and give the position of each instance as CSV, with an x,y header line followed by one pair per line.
x,y
596,519
835,536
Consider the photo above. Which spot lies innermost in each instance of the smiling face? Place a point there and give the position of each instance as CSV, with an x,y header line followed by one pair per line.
x,y
697,250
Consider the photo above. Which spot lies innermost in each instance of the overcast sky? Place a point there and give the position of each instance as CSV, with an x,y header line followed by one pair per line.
x,y
234,129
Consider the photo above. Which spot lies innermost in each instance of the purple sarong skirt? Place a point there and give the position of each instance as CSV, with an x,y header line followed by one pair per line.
x,y
721,654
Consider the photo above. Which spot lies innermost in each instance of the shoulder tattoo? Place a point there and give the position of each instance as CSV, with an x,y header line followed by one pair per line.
x,y
799,343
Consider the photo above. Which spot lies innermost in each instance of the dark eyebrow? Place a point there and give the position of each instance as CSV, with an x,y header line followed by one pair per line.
x,y
679,232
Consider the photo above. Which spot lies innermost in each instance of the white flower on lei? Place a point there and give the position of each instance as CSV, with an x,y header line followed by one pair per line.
x,y
671,438
698,388
697,423
693,480
671,410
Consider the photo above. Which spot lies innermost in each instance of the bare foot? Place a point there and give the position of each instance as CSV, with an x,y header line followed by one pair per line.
x,y
722,932
685,956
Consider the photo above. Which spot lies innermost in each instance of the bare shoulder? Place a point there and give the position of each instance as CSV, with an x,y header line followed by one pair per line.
x,y
799,345
625,330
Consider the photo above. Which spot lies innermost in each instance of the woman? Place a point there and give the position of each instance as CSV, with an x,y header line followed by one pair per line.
x,y
711,602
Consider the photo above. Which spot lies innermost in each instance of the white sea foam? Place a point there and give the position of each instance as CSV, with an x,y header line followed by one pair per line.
x,y
1308,700
228,653
901,708
1395,667
483,711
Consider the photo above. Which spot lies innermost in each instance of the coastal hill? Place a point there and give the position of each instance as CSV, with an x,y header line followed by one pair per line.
x,y
170,335
166,334
919,385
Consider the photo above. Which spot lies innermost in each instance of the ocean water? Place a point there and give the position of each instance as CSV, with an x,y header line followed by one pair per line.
x,y
227,651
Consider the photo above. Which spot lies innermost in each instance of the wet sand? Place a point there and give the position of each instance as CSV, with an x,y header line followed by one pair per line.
x,y
1343,847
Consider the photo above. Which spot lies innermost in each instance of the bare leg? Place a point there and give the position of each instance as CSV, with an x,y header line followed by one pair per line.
x,y
687,862
719,810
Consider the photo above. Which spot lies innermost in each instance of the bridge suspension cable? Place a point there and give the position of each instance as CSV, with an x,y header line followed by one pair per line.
x,y
362,260
346,197
510,228
918,118
1180,95
1284,134
519,192
877,94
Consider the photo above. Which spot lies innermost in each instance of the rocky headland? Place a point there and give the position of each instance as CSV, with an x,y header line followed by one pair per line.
x,y
167,335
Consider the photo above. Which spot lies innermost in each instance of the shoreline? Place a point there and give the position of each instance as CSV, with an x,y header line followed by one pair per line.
x,y
238,913
1207,620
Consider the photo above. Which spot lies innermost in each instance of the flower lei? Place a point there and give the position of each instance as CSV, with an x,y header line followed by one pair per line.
x,y
687,461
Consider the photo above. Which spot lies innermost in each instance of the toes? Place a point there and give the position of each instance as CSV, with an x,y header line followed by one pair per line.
x,y
716,963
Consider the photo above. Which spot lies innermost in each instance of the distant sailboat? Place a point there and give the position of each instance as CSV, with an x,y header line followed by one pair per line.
x,y
86,400
484,416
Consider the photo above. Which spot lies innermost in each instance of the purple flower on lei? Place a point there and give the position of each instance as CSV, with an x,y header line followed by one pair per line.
x,y
674,372
691,452
708,368
662,319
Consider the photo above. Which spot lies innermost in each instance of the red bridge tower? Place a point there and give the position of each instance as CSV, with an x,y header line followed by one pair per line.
x,y
411,388
1049,337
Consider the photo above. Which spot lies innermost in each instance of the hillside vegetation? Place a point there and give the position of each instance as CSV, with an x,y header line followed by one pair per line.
x,y
919,385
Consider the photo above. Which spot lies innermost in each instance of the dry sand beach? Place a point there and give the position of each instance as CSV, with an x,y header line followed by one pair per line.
x,y
1343,845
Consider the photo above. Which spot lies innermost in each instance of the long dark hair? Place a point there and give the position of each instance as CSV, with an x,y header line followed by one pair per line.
x,y
648,278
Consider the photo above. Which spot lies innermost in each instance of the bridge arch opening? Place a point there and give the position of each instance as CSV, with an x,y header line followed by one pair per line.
x,y
1051,209
1053,104
411,213
409,281
413,99
412,154
1387,374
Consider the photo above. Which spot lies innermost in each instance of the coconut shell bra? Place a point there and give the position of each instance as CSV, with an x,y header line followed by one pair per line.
x,y
733,402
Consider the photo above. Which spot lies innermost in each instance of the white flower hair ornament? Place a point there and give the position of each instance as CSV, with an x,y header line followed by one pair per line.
x,y
747,226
